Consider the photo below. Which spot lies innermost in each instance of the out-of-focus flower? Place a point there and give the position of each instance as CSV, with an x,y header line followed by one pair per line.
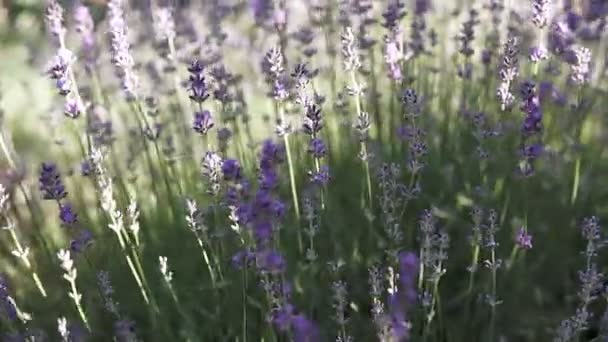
x,y
85,27
81,242
54,21
164,25
523,239
541,10
580,70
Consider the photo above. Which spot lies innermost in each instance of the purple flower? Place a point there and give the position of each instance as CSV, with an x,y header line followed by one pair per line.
x,y
197,86
262,202
261,9
67,215
523,239
320,177
304,330
121,54
408,267
317,148
81,242
560,37
531,107
421,7
85,26
395,11
279,208
269,179
51,186
271,155
282,317
57,69
73,108
313,121
54,21
243,258
271,261
395,320
263,232
203,122
540,12
538,53
532,151
231,169
244,213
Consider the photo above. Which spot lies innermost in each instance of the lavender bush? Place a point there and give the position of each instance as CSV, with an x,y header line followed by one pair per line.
x,y
275,170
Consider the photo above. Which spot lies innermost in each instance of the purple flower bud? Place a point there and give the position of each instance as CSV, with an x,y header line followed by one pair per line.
x,y
121,54
197,83
538,53
73,108
313,121
540,12
54,21
203,122
81,242
320,177
263,232
231,169
242,259
317,148
523,239
261,9
532,151
270,261
51,186
67,215
282,317
57,69
279,208
271,155
269,179
304,330
85,27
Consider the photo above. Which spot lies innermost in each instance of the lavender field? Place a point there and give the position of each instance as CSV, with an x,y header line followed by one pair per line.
x,y
304,170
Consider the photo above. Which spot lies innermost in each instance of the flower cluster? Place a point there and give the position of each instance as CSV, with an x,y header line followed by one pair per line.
x,y
531,128
53,188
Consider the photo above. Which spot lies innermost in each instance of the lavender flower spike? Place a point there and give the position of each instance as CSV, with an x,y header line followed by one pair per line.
x,y
86,29
51,186
541,10
508,72
122,58
580,70
54,21
164,25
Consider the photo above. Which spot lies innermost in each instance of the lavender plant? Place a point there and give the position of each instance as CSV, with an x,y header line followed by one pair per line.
x,y
342,191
